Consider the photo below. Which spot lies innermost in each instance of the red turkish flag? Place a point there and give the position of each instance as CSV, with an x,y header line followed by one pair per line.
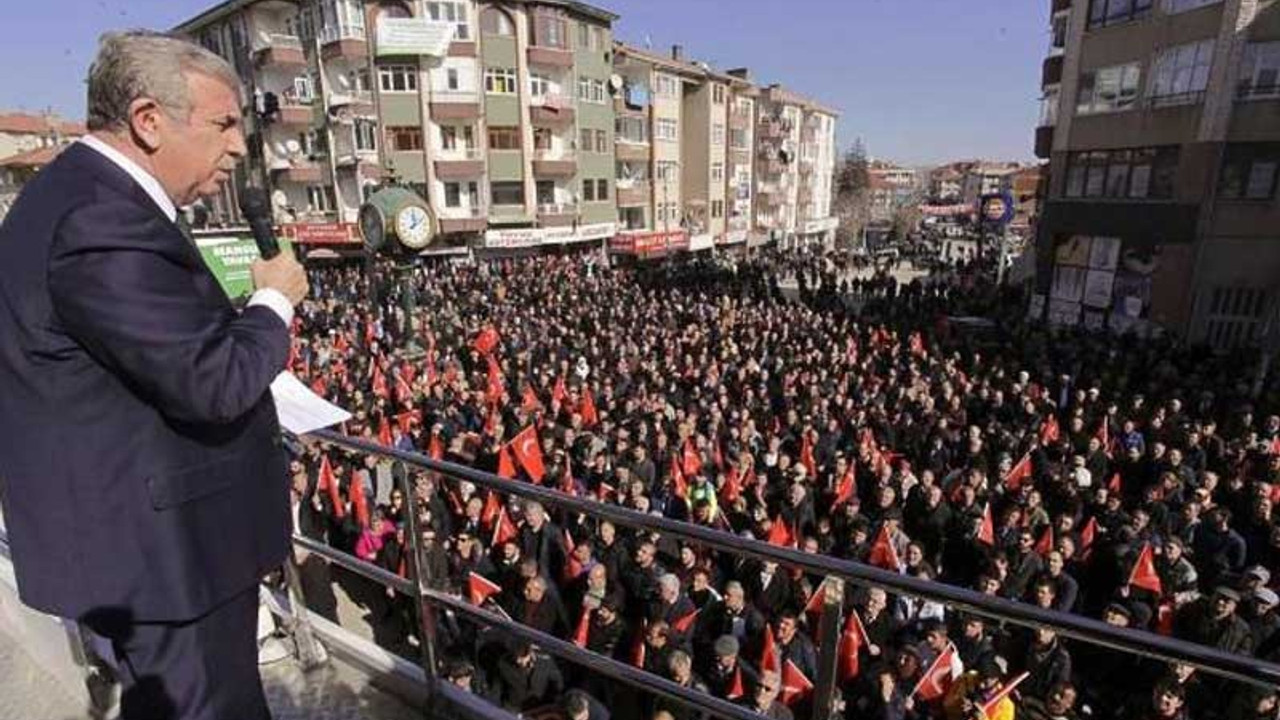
x,y
1115,485
604,490
584,627
814,606
405,420
379,382
340,344
731,489
506,466
717,455
987,532
806,455
638,648
587,409
503,530
384,433
1019,473
691,463
847,488
780,534
1044,545
558,392
528,453
329,483
685,624
938,678
435,447
769,658
852,639
486,340
1104,437
1088,534
1049,431
481,588
736,688
404,393
883,554
917,343
795,686
1144,573
492,506
530,403
359,504
678,485
494,390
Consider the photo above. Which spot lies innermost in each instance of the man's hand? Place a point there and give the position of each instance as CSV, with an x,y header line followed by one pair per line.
x,y
283,274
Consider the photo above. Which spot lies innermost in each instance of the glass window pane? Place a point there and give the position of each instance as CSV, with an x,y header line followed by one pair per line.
x,y
1075,181
1140,181
1261,180
1095,180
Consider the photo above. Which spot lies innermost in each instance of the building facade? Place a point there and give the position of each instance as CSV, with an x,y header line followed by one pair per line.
x,y
27,143
1161,122
529,126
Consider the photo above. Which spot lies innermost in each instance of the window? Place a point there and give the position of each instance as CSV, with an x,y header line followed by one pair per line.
x,y
586,140
602,141
717,208
665,129
1176,6
545,192
398,78
359,79
1182,73
592,91
496,22
738,139
717,94
404,138
504,138
665,170
366,135
506,193
320,198
717,172
717,134
1108,89
666,86
1058,43
302,89
541,139
602,190
1260,70
539,84
453,194
1235,315
454,12
548,31
1249,171
584,37
589,190
632,129
1113,12
500,81
1139,174
457,137
1049,108
451,79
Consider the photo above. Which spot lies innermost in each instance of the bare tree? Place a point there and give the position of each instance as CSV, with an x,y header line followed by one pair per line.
x,y
853,195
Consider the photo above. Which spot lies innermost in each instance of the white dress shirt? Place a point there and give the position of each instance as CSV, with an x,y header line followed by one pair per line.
x,y
269,297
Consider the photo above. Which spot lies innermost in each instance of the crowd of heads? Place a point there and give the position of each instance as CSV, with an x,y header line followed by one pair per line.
x,y
783,398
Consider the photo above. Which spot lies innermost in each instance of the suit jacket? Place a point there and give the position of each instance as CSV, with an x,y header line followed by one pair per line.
x,y
139,447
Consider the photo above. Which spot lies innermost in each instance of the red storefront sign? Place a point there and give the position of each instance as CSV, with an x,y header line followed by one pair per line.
x,y
321,233
649,244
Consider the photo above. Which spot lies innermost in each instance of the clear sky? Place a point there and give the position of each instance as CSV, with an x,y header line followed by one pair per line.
x,y
920,81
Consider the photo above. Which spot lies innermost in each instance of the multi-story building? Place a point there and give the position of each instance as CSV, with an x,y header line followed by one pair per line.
x,y
499,115
987,179
28,143
795,168
946,184
1161,126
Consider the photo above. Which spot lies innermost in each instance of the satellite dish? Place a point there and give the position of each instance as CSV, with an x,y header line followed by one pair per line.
x,y
293,146
615,82
279,199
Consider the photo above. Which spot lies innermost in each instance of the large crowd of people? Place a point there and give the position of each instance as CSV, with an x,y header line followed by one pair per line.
x,y
1127,479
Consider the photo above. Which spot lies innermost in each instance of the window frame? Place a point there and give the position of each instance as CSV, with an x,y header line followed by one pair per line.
x,y
506,185
1248,159
1169,67
387,75
508,136
395,133
1112,79
462,27
501,81
1251,66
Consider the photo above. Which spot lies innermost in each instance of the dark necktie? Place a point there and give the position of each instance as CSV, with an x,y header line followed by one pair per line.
x,y
184,227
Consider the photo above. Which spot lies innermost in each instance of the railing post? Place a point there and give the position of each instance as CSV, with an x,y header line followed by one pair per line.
x,y
426,611
310,654
824,704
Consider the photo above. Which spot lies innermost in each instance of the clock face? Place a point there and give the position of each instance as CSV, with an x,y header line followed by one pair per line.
x,y
413,227
372,227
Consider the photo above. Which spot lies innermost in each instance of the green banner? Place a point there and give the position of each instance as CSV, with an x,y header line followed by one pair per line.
x,y
229,257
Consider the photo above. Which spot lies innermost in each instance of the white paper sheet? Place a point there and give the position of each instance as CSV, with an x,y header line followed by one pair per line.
x,y
300,410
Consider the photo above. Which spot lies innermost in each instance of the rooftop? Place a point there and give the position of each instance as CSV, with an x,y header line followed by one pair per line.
x,y
229,7
28,124
37,158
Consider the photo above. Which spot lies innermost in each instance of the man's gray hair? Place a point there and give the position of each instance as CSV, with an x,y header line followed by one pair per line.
x,y
144,64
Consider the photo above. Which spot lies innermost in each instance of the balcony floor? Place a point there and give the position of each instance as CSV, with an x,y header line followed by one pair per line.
x,y
334,692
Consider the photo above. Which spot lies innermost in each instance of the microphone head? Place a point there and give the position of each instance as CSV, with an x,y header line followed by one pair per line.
x,y
254,203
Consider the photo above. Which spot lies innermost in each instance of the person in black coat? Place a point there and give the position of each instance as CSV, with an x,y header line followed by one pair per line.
x,y
540,610
543,541
527,679
768,588
729,616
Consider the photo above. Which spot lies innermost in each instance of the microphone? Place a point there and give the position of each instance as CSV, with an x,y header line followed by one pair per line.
x,y
256,208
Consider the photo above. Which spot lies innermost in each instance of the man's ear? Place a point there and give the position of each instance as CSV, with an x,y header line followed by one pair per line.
x,y
145,121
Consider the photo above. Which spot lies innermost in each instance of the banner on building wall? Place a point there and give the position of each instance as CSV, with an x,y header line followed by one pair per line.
x,y
413,36
321,233
533,237
649,244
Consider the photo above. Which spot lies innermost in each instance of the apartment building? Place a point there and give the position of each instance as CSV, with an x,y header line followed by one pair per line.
x,y
795,169
1161,122
27,143
498,115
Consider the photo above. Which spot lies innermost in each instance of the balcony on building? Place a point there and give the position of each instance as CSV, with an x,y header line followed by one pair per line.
x,y
551,110
1051,71
459,164
343,41
279,50
625,150
557,214
302,172
632,192
465,219
294,109
1044,141
455,106
554,163
550,56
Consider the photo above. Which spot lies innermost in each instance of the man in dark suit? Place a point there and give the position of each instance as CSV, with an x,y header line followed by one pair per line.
x,y
144,481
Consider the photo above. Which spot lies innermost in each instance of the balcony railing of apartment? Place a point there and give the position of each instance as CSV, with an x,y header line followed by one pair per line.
x,y
335,33
464,212
552,101
557,208
465,154
1258,92
357,97
1194,97
272,41
353,157
555,155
